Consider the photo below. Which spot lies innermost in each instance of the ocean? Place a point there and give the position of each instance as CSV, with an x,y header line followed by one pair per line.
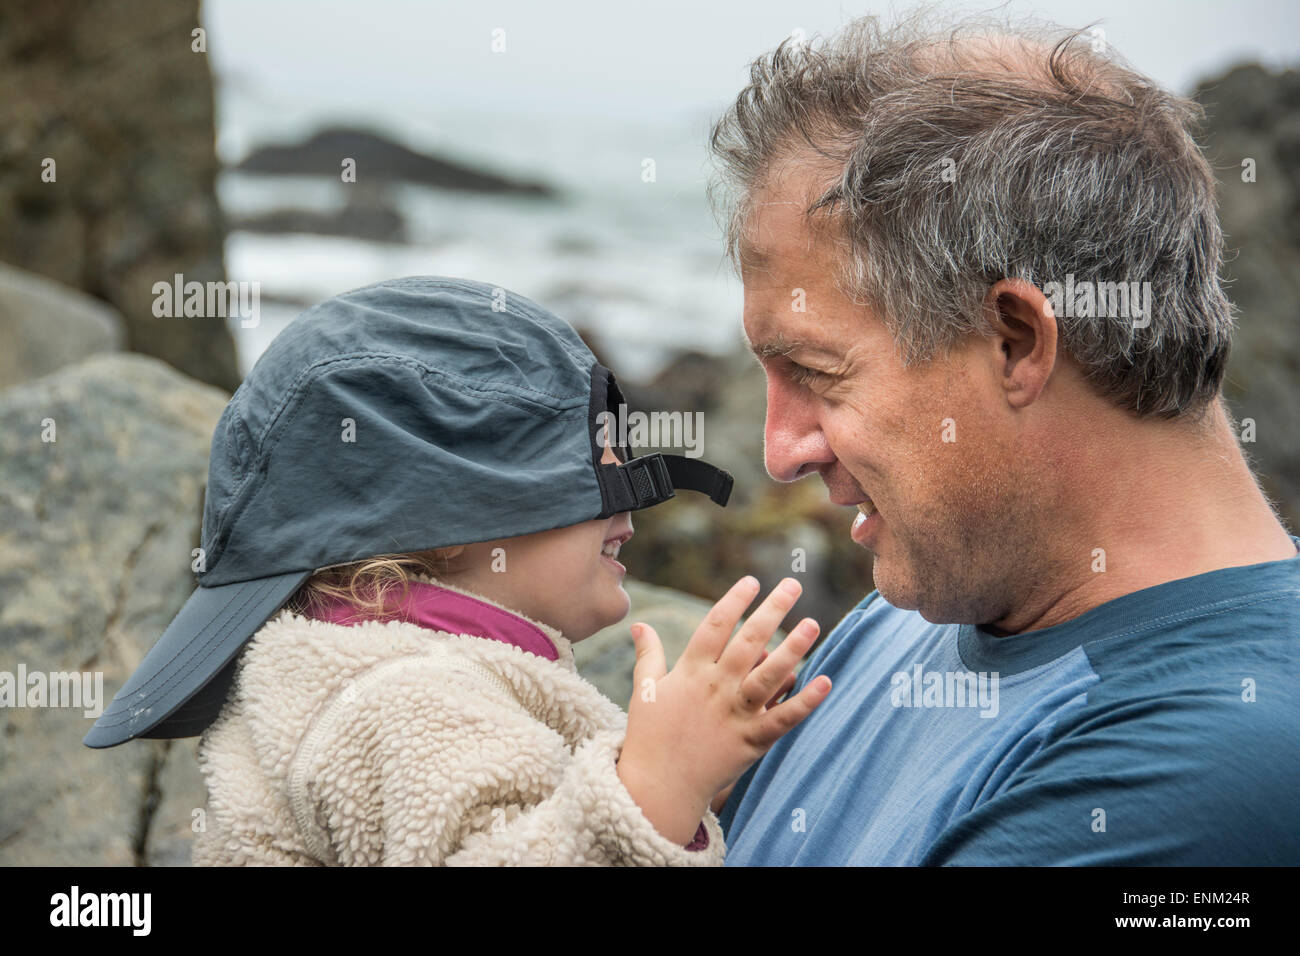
x,y
637,265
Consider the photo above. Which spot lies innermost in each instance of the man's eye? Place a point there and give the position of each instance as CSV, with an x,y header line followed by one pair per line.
x,y
802,375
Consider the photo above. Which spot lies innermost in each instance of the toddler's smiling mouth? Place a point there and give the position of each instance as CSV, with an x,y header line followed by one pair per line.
x,y
609,550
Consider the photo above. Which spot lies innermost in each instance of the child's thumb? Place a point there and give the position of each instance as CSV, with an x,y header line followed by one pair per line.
x,y
649,654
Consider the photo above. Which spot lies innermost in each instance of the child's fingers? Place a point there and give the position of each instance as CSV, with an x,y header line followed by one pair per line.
x,y
649,656
740,655
781,691
782,718
711,636
761,683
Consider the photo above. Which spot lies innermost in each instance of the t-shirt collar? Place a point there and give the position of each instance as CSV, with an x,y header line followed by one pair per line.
x,y
1128,614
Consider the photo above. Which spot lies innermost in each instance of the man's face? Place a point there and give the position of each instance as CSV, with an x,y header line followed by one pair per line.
x,y
954,518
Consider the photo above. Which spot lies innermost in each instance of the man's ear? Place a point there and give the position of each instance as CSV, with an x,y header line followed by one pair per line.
x,y
1024,338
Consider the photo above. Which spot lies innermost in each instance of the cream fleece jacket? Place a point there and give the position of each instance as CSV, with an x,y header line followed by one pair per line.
x,y
388,743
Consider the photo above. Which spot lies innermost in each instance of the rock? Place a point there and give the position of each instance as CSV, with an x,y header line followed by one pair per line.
x,y
367,215
96,530
1254,113
379,159
45,326
695,380
116,98
733,432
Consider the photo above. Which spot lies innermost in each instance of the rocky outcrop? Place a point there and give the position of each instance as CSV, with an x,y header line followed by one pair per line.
x,y
46,326
1254,114
367,214
379,159
116,98
96,529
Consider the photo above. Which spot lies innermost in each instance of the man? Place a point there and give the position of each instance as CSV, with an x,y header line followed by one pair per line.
x,y
981,275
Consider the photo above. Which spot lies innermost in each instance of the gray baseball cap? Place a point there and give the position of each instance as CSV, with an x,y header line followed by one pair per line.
x,y
411,414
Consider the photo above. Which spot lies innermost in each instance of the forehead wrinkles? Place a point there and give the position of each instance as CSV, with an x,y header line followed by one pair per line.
x,y
791,183
782,250
772,232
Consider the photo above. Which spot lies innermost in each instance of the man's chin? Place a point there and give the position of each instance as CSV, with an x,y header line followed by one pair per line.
x,y
907,593
935,611
899,591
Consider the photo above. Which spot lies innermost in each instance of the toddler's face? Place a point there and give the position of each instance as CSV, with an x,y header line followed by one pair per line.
x,y
568,578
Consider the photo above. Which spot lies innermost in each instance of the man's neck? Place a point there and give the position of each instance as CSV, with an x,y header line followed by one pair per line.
x,y
1171,501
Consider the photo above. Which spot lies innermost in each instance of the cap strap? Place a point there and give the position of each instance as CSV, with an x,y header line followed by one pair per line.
x,y
650,480
639,483
697,475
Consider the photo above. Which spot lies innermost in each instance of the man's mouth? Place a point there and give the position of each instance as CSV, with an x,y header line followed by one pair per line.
x,y
864,522
866,506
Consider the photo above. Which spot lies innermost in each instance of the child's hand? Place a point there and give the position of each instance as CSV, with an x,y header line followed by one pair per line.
x,y
694,731
720,800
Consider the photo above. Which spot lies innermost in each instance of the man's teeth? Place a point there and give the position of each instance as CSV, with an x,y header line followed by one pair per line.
x,y
610,550
867,508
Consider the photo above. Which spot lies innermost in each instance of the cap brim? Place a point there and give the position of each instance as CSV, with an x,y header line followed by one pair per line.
x,y
180,686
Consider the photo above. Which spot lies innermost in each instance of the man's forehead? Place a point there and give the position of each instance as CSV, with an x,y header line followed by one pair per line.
x,y
752,254
776,226
772,227
780,251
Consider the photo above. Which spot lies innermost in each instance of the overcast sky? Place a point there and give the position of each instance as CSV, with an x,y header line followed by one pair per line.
x,y
665,59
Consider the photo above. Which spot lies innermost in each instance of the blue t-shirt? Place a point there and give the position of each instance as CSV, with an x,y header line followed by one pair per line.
x,y
1162,727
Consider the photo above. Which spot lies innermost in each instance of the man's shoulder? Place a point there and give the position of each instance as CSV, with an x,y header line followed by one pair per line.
x,y
1176,781
1223,647
1169,765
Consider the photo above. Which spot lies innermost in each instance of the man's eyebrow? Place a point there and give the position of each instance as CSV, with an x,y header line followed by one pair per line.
x,y
772,348
779,345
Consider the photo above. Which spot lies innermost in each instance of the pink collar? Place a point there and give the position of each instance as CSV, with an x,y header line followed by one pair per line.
x,y
441,609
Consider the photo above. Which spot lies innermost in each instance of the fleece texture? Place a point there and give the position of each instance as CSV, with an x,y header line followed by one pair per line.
x,y
388,743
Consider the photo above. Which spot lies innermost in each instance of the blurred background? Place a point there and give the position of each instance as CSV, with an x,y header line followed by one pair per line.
x,y
557,150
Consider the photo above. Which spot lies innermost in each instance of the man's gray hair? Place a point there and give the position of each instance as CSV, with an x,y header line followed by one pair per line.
x,y
985,151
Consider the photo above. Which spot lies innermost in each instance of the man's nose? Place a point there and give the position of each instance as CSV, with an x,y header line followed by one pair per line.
x,y
793,443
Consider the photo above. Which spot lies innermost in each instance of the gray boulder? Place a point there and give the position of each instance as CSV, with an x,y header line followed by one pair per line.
x,y
96,529
380,159
46,326
1254,114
